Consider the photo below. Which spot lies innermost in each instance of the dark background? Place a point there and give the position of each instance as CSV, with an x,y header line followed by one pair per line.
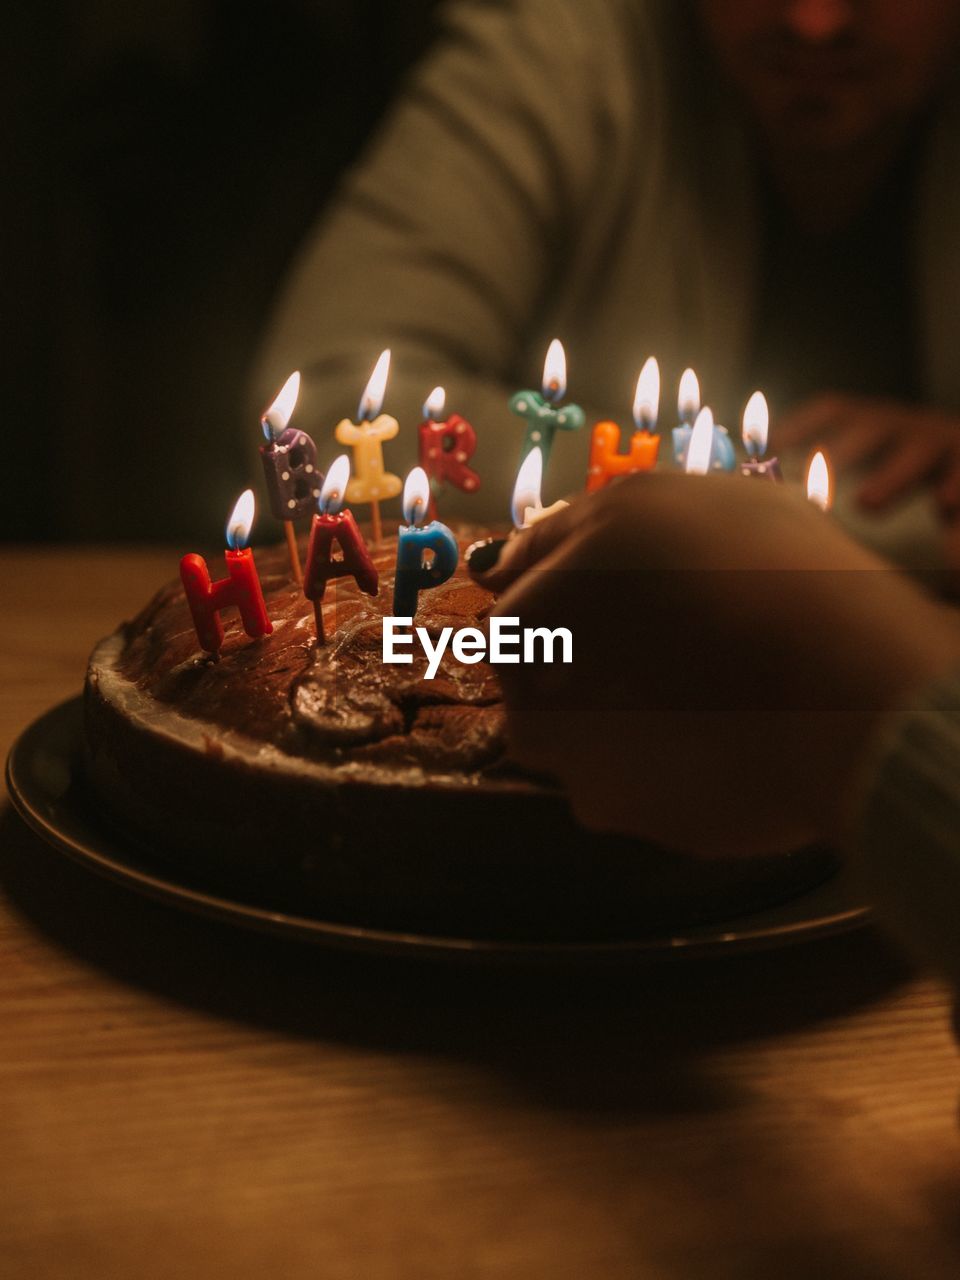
x,y
162,166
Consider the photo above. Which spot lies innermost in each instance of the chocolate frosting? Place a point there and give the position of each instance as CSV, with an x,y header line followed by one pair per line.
x,y
335,701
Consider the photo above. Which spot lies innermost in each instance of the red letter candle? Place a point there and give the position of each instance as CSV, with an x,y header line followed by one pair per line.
x,y
606,460
241,588
447,445
331,525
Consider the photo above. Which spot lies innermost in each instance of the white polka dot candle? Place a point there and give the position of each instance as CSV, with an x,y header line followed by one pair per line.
x,y
289,466
544,414
446,447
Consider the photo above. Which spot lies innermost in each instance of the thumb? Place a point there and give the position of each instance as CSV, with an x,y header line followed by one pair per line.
x,y
522,550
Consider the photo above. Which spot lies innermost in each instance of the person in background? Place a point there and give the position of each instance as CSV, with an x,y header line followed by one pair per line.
x,y
809,691
766,190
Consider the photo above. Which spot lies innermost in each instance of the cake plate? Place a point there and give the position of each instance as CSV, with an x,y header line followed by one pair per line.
x,y
44,783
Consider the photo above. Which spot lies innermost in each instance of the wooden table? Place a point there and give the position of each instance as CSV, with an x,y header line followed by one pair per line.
x,y
178,1099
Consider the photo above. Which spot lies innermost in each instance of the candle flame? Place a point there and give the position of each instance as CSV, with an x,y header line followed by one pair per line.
x,y
688,399
278,415
700,448
334,487
555,372
241,521
818,481
526,491
416,496
433,405
371,402
646,403
756,425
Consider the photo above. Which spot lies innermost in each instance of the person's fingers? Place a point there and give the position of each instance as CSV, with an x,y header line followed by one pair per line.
x,y
908,464
813,419
528,548
947,491
857,442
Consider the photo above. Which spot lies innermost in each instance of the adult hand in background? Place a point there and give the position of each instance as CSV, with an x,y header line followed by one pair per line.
x,y
733,652
901,447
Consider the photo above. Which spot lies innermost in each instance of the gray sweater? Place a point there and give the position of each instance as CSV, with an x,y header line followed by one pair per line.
x,y
559,168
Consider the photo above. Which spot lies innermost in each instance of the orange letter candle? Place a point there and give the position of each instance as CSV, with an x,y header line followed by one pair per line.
x,y
606,460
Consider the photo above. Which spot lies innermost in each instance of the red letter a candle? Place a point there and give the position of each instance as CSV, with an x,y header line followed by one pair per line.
x,y
331,526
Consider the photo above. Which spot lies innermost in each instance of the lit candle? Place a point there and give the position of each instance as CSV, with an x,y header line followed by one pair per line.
x,y
289,466
526,507
756,428
722,455
606,460
241,588
688,406
447,445
700,448
413,575
542,410
331,525
818,481
370,482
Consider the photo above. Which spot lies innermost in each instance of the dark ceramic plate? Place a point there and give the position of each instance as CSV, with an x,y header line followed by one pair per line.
x,y
42,778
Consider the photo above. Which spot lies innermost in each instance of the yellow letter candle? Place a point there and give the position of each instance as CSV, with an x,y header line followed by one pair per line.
x,y
370,482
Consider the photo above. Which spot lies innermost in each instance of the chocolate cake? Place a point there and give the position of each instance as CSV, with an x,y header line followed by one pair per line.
x,y
321,781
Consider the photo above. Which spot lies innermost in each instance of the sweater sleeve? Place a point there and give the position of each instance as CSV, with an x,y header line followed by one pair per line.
x,y
443,241
909,836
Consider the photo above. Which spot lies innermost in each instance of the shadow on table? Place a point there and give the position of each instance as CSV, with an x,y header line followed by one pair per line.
x,y
581,1037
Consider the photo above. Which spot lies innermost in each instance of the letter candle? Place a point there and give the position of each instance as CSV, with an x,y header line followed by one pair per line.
x,y
700,449
688,406
446,446
542,410
756,429
332,525
241,588
413,575
289,466
722,456
370,482
526,507
606,460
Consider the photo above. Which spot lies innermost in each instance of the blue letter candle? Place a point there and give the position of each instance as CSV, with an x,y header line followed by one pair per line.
x,y
413,576
688,406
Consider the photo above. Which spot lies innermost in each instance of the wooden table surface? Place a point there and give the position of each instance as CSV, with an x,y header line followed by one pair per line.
x,y
179,1099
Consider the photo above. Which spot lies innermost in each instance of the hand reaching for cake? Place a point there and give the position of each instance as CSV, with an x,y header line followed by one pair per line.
x,y
902,447
734,655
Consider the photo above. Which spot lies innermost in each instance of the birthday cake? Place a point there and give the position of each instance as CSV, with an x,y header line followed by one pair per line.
x,y
321,781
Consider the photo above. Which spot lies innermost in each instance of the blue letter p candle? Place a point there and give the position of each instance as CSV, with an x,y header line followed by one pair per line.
x,y
413,573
